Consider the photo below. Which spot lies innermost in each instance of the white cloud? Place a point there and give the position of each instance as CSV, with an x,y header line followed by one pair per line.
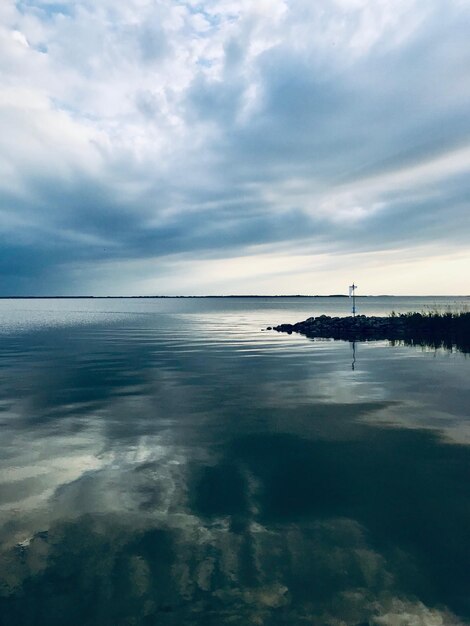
x,y
344,113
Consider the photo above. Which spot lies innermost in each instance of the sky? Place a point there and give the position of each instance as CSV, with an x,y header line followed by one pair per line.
x,y
165,147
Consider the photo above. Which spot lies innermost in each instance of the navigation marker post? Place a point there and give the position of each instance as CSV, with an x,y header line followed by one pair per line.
x,y
352,294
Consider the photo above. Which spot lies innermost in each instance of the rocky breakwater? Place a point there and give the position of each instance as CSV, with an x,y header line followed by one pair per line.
x,y
448,330
351,328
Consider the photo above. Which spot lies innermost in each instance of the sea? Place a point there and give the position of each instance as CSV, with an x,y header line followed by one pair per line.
x,y
170,462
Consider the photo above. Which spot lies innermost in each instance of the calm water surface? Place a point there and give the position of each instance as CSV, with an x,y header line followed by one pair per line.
x,y
167,462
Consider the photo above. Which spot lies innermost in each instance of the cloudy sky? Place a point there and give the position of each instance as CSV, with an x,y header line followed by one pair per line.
x,y
234,146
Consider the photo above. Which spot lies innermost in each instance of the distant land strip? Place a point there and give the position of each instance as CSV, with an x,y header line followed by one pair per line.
x,y
333,295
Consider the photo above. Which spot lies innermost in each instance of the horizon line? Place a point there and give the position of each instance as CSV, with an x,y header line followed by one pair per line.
x,y
334,295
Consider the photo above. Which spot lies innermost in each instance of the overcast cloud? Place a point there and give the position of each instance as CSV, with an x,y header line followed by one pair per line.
x,y
233,146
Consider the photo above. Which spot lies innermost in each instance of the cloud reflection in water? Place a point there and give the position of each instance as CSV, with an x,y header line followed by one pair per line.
x,y
157,476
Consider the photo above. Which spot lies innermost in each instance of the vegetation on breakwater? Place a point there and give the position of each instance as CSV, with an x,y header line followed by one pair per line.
x,y
449,329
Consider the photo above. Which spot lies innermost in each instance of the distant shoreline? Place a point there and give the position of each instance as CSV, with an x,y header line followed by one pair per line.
x,y
336,295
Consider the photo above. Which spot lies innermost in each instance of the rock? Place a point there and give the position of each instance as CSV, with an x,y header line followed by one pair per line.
x,y
437,330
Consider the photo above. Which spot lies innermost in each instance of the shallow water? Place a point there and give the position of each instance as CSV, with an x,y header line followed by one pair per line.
x,y
167,462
